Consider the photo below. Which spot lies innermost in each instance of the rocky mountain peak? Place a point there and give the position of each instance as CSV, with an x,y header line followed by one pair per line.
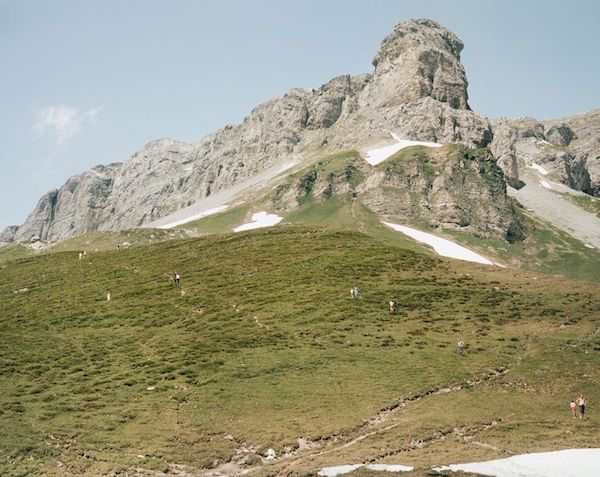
x,y
419,58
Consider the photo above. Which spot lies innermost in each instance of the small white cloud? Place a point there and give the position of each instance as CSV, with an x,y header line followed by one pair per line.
x,y
63,121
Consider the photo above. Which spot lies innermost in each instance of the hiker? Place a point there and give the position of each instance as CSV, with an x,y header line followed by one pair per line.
x,y
108,296
176,278
354,292
573,407
80,255
460,347
392,307
581,402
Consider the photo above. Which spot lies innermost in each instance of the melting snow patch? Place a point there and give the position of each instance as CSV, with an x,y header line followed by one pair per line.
x,y
345,469
545,185
565,463
206,213
259,220
443,247
375,156
538,168
338,470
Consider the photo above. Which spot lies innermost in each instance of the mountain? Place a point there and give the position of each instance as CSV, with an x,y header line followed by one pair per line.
x,y
417,91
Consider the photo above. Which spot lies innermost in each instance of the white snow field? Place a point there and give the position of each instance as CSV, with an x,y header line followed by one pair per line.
x,y
565,463
545,185
345,469
375,156
443,247
338,470
220,200
538,168
260,220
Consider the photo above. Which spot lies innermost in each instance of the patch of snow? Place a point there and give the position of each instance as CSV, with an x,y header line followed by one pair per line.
x,y
338,470
565,463
545,185
375,156
538,168
589,246
443,247
223,197
345,469
390,467
206,213
259,220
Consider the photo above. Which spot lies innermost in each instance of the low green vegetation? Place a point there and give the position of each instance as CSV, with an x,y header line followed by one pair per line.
x,y
546,250
591,204
11,251
261,345
104,241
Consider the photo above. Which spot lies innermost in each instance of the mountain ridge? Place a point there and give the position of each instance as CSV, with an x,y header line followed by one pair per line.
x,y
418,88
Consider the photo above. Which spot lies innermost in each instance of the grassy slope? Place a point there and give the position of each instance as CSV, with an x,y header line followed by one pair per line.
x,y
13,251
547,249
75,368
588,203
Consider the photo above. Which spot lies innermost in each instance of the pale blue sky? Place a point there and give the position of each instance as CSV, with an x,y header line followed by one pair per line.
x,y
90,82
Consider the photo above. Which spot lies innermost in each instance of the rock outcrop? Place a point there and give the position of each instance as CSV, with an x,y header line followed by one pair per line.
x,y
567,148
452,188
418,59
418,89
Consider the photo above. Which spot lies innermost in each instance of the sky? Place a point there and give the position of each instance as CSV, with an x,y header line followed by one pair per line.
x,y
91,82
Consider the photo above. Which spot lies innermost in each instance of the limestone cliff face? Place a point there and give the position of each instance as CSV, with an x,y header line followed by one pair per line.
x,y
567,148
417,89
77,207
418,59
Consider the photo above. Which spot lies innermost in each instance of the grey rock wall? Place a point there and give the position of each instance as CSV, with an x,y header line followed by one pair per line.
x,y
418,89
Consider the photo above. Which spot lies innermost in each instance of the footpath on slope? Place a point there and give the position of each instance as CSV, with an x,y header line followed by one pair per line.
x,y
553,208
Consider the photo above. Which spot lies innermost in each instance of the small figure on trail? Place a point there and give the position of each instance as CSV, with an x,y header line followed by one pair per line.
x,y
80,255
354,292
573,407
581,402
118,246
460,347
176,278
108,296
392,307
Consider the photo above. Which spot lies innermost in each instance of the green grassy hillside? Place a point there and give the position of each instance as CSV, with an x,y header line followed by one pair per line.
x,y
261,345
545,249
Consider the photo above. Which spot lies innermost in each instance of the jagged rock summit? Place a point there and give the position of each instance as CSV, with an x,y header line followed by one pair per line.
x,y
418,59
418,89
